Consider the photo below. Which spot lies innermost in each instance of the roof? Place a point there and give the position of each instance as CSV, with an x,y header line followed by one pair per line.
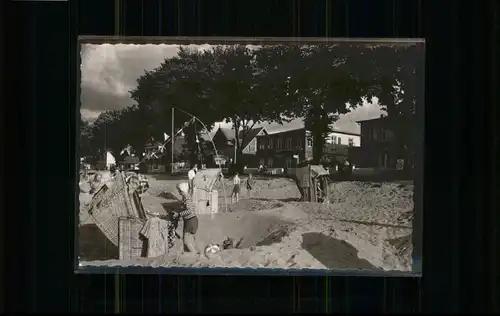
x,y
207,136
313,170
274,128
380,118
388,119
251,135
229,134
131,159
298,124
335,130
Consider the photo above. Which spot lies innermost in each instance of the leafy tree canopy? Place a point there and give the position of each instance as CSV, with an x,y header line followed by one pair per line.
x,y
276,83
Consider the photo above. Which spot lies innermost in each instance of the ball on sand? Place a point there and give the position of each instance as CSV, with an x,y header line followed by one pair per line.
x,y
212,249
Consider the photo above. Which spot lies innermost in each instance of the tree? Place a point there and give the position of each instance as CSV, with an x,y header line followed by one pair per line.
x,y
221,84
115,129
241,92
182,83
318,83
399,71
85,138
275,83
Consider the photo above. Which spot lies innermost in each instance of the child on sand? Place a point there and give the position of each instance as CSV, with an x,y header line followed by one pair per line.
x,y
236,188
250,183
96,184
188,214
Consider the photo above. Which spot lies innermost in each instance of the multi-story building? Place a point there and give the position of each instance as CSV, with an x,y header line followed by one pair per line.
x,y
224,140
157,155
286,148
379,148
338,143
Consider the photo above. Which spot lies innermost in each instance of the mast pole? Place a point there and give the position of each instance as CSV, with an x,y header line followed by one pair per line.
x,y
172,144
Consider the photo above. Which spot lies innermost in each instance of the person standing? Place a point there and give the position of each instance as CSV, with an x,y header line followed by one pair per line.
x,y
236,187
188,214
191,176
250,183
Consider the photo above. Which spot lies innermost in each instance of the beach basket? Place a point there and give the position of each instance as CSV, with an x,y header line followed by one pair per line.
x,y
131,243
112,202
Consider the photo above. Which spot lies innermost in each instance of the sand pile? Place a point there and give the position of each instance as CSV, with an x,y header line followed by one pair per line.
x,y
403,248
254,205
264,188
373,202
358,230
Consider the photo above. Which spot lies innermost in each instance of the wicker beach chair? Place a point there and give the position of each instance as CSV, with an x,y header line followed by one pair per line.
x,y
113,202
132,244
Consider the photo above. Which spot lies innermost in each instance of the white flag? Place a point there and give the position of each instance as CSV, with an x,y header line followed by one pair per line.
x,y
165,136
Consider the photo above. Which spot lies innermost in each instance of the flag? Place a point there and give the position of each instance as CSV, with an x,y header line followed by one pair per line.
x,y
127,150
197,140
165,136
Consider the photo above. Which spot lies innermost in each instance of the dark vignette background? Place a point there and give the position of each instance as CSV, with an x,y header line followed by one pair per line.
x,y
458,271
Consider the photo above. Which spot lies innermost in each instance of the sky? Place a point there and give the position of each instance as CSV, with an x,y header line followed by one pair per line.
x,y
110,71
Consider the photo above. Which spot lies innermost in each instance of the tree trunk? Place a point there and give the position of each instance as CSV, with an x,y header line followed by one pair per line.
x,y
319,129
239,161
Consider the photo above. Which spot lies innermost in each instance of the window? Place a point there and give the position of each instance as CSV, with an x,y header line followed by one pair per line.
x,y
374,136
299,143
261,143
270,143
269,162
339,140
309,142
262,161
279,143
351,142
288,143
334,139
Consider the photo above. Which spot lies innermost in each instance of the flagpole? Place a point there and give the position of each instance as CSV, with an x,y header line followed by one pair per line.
x,y
105,144
172,143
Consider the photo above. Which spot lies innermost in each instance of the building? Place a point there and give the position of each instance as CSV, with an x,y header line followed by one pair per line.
x,y
249,146
346,139
158,154
379,148
155,162
130,162
287,147
224,140
284,149
338,144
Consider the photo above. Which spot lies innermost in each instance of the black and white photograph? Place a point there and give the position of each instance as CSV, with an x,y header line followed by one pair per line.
x,y
250,154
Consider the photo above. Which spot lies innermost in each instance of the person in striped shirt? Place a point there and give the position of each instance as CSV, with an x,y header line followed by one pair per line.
x,y
188,214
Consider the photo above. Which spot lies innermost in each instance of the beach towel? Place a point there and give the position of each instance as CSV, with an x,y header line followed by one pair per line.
x,y
160,234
